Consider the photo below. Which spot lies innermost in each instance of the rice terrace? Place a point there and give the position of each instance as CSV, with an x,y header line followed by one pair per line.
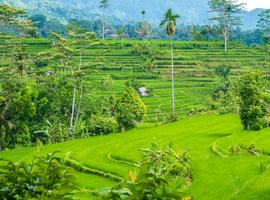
x,y
111,99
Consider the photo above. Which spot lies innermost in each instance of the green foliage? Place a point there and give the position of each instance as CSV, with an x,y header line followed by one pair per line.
x,y
44,178
19,106
264,22
10,15
253,107
124,117
162,174
225,102
170,21
226,15
62,51
129,109
223,71
56,89
20,59
141,49
100,125
134,83
17,18
76,32
121,33
34,111
225,96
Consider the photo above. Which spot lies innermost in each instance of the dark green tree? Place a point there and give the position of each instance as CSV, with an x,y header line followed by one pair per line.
x,y
264,22
19,106
253,104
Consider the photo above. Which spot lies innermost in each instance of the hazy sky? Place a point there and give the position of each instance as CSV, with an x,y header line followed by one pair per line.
x,y
251,4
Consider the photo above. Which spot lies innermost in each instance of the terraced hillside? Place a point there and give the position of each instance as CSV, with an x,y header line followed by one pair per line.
x,y
194,67
217,171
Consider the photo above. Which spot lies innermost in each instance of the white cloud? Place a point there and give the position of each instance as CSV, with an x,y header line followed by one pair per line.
x,y
252,4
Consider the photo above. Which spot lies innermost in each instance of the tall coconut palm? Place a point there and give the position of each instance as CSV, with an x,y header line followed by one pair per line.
x,y
169,21
144,24
143,15
103,4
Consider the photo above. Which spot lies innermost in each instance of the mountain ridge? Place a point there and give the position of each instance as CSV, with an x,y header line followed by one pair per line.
x,y
191,11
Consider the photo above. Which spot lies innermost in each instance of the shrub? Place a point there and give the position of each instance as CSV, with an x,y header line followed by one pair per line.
x,y
162,174
125,118
129,109
141,49
99,125
134,83
45,178
225,98
223,71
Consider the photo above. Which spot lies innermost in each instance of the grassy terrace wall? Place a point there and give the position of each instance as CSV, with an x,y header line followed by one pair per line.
x,y
194,67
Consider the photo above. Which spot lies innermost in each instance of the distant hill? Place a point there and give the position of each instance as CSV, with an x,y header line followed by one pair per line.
x,y
251,18
191,11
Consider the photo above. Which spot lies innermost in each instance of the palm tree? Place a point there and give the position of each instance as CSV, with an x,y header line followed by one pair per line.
x,y
144,24
143,15
103,5
169,21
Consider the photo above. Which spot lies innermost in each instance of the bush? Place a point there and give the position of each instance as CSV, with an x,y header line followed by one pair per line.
x,y
224,98
129,109
223,71
134,83
162,174
45,178
99,125
125,118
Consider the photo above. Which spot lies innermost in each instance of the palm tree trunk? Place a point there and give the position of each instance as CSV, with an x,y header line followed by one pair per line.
x,y
103,24
225,41
226,36
172,74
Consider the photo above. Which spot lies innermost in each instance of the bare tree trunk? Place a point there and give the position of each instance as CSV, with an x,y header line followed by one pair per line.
x,y
73,107
78,107
80,98
172,74
73,101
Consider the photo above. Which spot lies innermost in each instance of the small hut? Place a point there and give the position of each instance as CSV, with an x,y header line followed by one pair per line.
x,y
144,92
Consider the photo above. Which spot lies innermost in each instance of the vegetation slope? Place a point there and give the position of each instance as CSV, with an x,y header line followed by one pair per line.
x,y
217,173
